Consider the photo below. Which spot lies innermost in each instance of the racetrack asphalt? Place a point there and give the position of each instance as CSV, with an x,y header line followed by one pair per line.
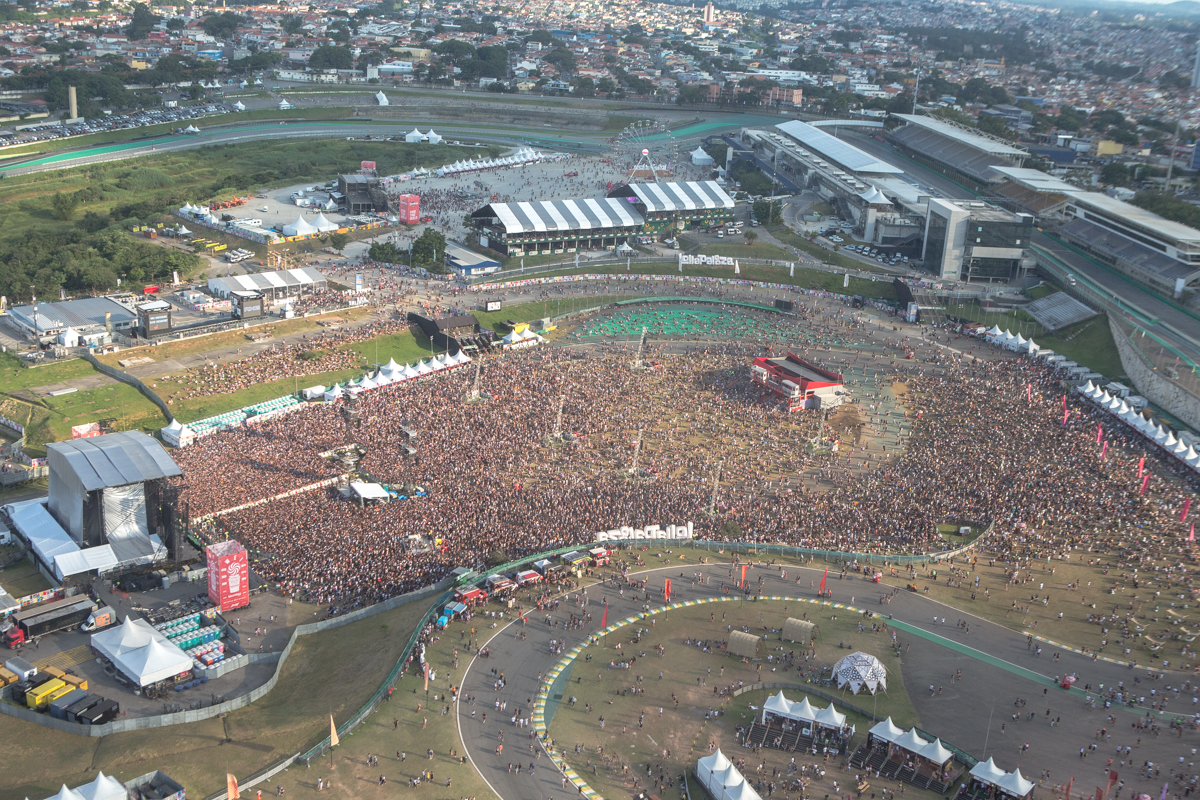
x,y
998,666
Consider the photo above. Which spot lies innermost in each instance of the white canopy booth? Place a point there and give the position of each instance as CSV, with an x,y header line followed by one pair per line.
x,y
914,753
299,228
140,652
994,782
722,780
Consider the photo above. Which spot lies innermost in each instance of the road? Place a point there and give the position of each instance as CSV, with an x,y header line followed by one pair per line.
x,y
1178,328
997,665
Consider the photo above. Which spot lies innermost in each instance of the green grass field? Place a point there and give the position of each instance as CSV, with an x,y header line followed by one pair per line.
x,y
16,375
329,673
22,578
1089,343
156,183
1040,291
787,236
742,249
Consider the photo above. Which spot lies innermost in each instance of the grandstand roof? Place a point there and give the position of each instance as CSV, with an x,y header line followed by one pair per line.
x,y
563,215
845,155
1138,216
1035,179
975,140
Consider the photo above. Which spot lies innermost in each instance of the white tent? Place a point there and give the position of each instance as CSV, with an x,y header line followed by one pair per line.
x,y
334,393
433,137
414,136
313,392
177,434
191,129
1015,784
103,787
182,231
140,652
390,368
995,331
366,384
461,358
422,368
861,669
936,752
1160,435
701,158
706,766
988,772
67,794
443,361
381,98
408,373
239,106
324,225
69,338
299,228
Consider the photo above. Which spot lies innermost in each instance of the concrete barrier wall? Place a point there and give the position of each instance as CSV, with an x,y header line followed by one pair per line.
x,y
125,377
1156,388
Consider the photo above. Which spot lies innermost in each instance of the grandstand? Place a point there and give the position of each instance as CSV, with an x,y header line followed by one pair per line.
x,y
1059,310
1032,191
1137,260
964,153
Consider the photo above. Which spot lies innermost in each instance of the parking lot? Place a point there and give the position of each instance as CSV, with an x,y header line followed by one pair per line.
x,y
140,119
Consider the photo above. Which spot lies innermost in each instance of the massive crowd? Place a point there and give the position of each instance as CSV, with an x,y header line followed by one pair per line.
x,y
497,480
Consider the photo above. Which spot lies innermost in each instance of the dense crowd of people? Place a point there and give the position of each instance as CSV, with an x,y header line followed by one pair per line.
x,y
499,479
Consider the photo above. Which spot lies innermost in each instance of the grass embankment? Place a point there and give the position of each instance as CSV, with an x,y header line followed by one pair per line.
x,y
824,255
327,673
693,674
1040,291
1089,343
49,419
166,128
22,578
148,188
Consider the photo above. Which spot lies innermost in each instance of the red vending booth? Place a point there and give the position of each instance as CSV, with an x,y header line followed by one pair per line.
x,y
408,208
228,575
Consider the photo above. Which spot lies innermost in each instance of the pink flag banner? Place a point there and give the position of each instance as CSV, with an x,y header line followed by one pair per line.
x,y
1099,433
1103,450
1029,393
1141,466
1145,483
1187,506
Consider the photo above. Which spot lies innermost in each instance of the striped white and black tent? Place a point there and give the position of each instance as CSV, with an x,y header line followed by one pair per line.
x,y
689,196
562,215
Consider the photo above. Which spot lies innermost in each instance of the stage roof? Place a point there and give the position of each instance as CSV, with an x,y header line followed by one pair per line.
x,y
115,459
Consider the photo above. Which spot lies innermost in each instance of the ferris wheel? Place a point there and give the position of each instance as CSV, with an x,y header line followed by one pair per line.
x,y
646,150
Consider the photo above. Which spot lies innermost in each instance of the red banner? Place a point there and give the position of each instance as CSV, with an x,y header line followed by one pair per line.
x,y
823,577
1141,466
604,619
367,166
667,590
743,583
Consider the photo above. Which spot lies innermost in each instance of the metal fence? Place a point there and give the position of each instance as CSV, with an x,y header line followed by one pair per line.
x,y
842,557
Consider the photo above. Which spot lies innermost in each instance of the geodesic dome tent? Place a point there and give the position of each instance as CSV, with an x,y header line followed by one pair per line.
x,y
858,670
743,644
798,630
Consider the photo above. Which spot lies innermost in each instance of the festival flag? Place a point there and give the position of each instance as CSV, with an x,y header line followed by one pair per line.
x,y
1187,505
1099,794
1064,402
1067,796
1145,483
667,590
1099,433
823,577
1029,393
604,619
1192,533
333,737
426,678
231,787
743,583
1112,781
1066,416
1141,466
1163,796
1103,450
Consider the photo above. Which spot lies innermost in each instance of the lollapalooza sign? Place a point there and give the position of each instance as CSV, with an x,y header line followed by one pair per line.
x,y
648,532
710,261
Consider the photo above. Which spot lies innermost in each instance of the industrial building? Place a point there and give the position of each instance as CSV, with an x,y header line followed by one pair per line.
x,y
88,315
361,194
272,285
1160,253
971,241
965,155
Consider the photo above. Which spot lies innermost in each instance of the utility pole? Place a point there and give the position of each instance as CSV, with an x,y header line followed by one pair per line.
x,y
712,506
916,91
558,421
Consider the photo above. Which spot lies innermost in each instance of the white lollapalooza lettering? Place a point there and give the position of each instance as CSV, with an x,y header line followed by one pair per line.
x,y
648,532
712,261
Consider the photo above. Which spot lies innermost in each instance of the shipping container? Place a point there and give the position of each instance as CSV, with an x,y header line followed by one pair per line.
x,y
59,706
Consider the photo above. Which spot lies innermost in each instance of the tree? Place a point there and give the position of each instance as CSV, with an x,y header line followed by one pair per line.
x,y
141,22
996,126
329,56
766,211
427,250
224,25
751,238
561,58
292,24
338,241
64,205
1115,174
455,50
